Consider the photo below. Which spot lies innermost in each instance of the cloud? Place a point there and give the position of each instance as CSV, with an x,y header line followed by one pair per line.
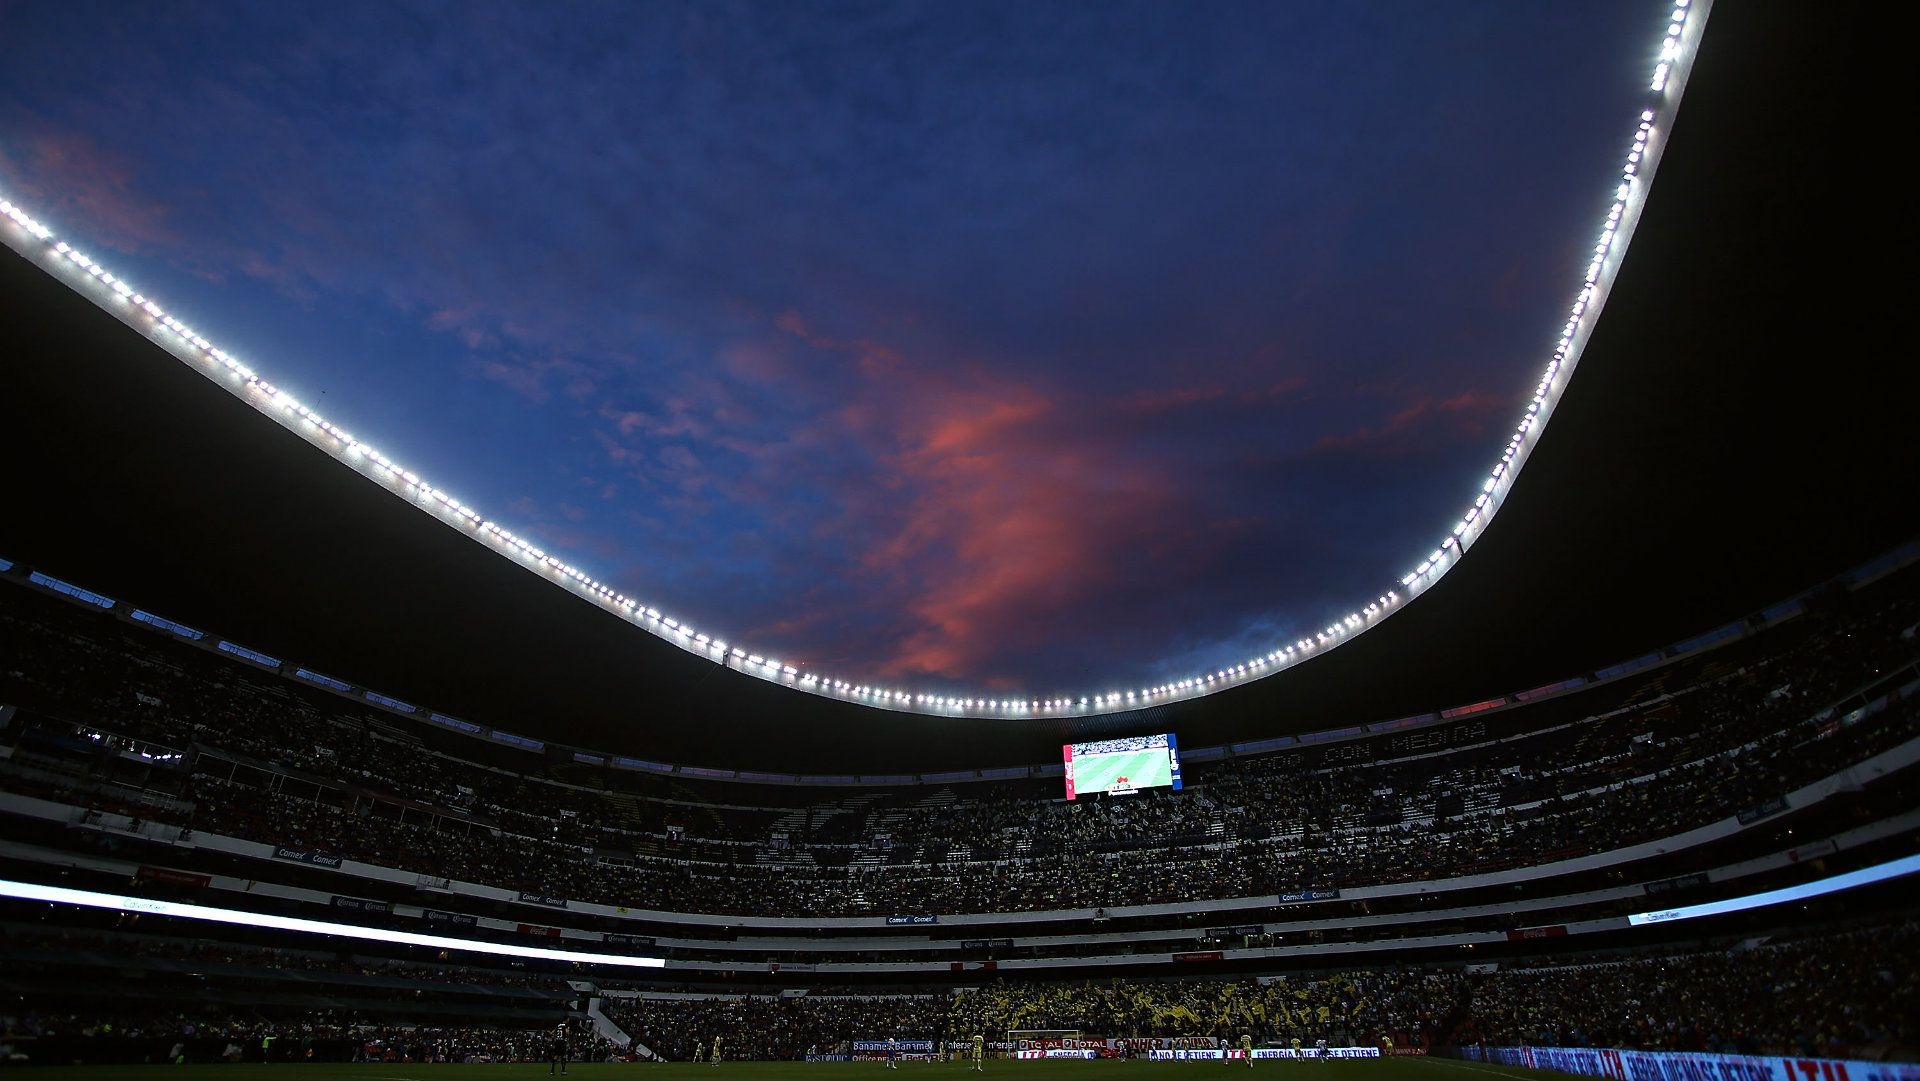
x,y
465,324
993,511
1162,400
535,378
1009,525
1415,427
919,517
69,175
979,364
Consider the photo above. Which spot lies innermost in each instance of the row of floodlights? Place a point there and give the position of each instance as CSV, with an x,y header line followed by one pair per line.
x,y
1545,394
378,465
398,476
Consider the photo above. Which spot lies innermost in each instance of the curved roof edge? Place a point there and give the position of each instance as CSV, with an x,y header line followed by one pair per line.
x,y
1685,26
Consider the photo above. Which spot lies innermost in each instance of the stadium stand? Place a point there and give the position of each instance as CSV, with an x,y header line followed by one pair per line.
x,y
1839,995
234,753
1797,995
1496,853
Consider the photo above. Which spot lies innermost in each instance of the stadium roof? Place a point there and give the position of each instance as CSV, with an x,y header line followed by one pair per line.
x,y
1724,444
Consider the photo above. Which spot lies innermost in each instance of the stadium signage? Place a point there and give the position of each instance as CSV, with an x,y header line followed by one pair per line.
x,y
543,899
361,904
987,944
1521,934
1068,1043
1759,811
1235,932
911,921
1161,1043
1683,882
619,939
918,1046
1807,852
1879,872
1295,896
1200,955
538,931
172,877
1263,1052
450,919
1689,1065
300,855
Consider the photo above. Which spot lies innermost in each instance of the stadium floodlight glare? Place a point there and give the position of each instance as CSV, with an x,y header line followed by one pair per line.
x,y
1680,38
60,895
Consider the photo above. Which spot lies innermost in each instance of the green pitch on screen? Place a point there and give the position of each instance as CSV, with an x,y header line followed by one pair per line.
x,y
1140,769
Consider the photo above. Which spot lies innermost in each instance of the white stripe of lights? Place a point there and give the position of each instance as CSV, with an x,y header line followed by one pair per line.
x,y
1865,876
1683,30
60,895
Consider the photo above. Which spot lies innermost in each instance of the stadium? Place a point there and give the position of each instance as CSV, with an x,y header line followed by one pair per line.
x,y
309,768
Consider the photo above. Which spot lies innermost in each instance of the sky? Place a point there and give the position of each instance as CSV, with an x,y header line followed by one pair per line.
x,y
1023,347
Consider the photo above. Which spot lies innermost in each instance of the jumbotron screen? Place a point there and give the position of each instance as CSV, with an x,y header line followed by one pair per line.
x,y
1121,766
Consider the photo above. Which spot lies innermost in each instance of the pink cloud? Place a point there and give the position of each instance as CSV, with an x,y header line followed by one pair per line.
x,y
463,323
1153,402
872,358
533,379
1160,401
997,514
95,186
1414,425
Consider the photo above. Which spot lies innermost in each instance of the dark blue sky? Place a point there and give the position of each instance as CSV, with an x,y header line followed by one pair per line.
x,y
1035,347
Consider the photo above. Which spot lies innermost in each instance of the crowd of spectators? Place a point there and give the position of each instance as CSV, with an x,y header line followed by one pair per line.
x,y
777,1026
1408,1005
1701,750
223,1033
1845,993
1826,994
1841,995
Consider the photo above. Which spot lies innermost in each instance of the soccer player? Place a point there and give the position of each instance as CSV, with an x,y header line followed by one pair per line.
x,y
893,1050
557,1051
979,1051
1246,1047
699,1051
1296,1047
1320,1048
715,1060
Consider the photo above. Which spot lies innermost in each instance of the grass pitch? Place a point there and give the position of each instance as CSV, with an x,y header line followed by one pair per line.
x,y
1394,1069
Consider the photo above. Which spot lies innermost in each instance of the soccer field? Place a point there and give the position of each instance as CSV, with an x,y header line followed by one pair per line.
x,y
1411,1069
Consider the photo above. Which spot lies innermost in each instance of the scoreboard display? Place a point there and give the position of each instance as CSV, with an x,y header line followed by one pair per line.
x,y
1121,767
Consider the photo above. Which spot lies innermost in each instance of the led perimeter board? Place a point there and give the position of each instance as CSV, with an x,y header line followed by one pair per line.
x,y
1121,766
